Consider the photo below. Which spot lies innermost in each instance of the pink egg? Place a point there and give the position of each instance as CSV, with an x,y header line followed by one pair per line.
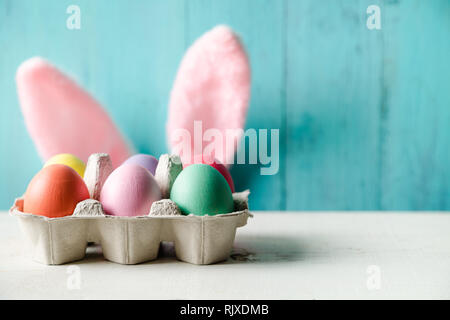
x,y
129,190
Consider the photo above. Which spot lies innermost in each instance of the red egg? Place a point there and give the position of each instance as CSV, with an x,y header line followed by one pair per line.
x,y
54,192
204,159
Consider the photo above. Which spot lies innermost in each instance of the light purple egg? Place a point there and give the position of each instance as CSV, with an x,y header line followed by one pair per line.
x,y
144,160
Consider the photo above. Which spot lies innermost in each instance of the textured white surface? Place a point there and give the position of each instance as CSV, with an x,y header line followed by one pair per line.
x,y
277,256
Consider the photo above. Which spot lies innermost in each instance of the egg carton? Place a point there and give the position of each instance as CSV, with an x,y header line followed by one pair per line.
x,y
131,240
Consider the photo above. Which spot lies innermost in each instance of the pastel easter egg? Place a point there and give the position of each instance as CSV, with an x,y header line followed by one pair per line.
x,y
129,190
145,160
69,160
202,190
216,164
54,192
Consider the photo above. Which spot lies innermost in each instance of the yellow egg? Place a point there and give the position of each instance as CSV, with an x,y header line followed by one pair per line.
x,y
69,160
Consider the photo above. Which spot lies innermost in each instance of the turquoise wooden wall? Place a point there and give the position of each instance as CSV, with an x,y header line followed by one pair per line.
x,y
364,115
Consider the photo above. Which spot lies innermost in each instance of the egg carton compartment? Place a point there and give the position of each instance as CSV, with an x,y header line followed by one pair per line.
x,y
130,240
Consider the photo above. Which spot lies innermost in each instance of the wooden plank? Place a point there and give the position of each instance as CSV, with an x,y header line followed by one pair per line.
x,y
134,54
416,160
363,115
333,87
260,25
21,30
125,53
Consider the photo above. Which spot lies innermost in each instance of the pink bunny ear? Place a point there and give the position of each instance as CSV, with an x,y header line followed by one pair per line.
x,y
62,118
211,93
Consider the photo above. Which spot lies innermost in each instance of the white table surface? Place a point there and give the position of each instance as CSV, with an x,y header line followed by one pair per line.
x,y
277,256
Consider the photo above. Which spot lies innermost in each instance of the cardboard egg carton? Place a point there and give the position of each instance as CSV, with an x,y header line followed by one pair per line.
x,y
131,240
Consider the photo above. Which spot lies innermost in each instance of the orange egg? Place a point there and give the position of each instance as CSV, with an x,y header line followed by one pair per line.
x,y
54,192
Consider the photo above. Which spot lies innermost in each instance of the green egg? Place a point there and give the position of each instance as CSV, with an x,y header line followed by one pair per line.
x,y
201,190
